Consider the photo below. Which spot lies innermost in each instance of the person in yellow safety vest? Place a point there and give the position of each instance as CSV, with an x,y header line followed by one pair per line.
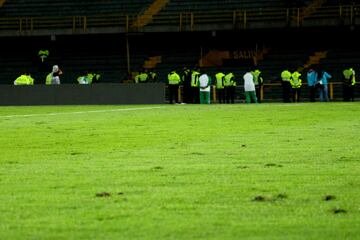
x,y
186,82
195,86
220,86
258,81
24,79
286,85
94,77
142,77
174,81
152,76
54,76
296,84
229,86
349,84
84,78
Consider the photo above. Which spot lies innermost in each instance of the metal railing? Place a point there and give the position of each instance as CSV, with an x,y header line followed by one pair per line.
x,y
184,21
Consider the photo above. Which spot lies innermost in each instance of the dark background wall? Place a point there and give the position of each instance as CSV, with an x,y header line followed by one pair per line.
x,y
68,94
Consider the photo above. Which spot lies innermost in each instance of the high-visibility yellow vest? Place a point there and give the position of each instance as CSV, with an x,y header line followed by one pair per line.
x,y
195,79
220,80
173,78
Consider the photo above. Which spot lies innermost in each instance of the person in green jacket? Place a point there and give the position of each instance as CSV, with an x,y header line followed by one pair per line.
x,y
84,78
230,86
205,88
194,83
24,79
219,77
296,84
258,81
142,77
174,81
286,85
348,84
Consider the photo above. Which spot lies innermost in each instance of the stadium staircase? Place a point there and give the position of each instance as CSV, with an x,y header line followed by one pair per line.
x,y
151,62
308,10
148,14
314,59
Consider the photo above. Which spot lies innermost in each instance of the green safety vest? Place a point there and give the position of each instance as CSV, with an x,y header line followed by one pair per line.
x,y
48,79
143,77
220,80
285,76
195,79
186,72
173,78
229,80
295,80
24,80
349,73
86,79
257,79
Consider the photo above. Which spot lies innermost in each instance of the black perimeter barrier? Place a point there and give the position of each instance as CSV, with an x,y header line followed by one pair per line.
x,y
74,94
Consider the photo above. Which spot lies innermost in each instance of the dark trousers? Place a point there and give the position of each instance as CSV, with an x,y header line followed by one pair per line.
x,y
348,92
312,91
296,93
221,95
173,93
230,94
258,92
187,94
286,91
195,95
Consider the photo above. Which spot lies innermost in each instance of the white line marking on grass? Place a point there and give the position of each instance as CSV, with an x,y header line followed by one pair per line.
x,y
82,112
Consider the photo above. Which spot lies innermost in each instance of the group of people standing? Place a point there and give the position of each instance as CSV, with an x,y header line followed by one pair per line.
x,y
197,86
317,81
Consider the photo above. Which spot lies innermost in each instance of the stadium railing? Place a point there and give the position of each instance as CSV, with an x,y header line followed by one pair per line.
x,y
188,21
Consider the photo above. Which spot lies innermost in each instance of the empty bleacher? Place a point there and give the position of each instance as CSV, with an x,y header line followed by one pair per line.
x,y
26,8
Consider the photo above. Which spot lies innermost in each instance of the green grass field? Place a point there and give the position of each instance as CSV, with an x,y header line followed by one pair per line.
x,y
266,171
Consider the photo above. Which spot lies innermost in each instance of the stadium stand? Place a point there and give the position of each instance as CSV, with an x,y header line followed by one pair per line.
x,y
24,8
171,34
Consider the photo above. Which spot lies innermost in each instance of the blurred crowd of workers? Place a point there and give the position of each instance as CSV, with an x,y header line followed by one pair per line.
x,y
197,84
53,78
252,81
317,82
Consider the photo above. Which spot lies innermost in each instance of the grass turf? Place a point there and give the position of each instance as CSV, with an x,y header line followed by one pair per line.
x,y
266,171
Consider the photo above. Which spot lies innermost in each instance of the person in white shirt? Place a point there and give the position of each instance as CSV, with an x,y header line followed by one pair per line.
x,y
204,86
249,87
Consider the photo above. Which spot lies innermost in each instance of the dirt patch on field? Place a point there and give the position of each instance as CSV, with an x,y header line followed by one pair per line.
x,y
329,197
76,153
197,153
262,198
338,210
242,167
158,168
103,194
273,165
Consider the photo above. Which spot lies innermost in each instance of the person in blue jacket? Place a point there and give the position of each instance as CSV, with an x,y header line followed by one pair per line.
x,y
311,81
322,84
